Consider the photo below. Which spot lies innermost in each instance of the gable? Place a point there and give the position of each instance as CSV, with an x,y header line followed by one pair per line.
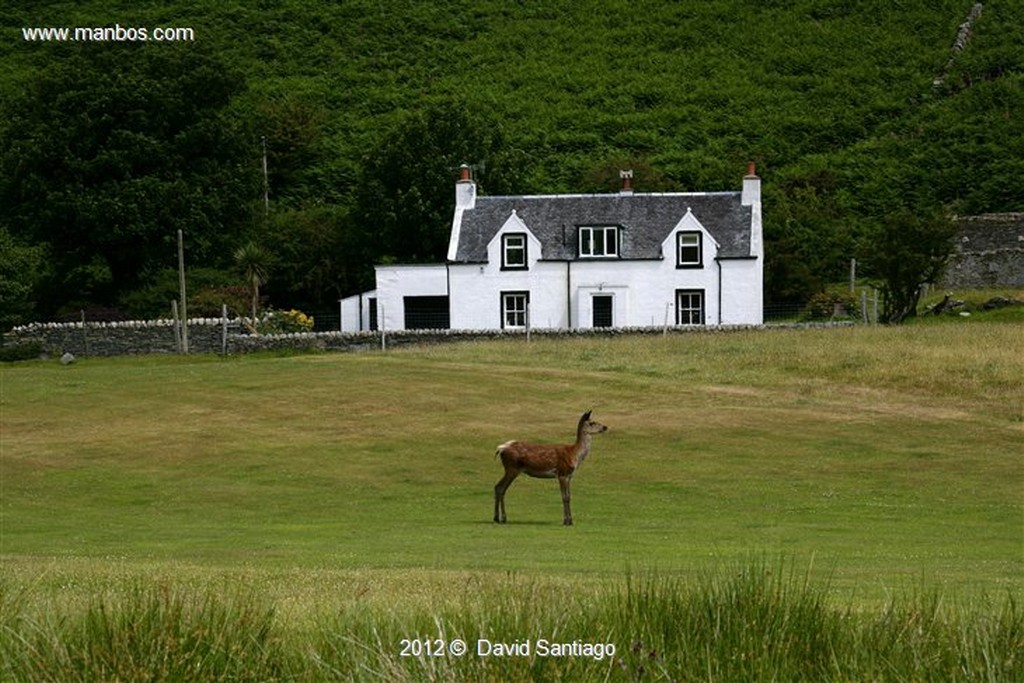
x,y
514,225
688,224
645,221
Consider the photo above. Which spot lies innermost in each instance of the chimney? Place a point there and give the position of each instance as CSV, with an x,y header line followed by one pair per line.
x,y
627,182
751,186
465,189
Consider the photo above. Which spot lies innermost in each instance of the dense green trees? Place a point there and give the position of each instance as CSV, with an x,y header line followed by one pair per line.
x,y
406,192
905,251
109,153
366,109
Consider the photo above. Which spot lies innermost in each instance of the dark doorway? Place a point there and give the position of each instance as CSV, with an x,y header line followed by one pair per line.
x,y
427,313
602,310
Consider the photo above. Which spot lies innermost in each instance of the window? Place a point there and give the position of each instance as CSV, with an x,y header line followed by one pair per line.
x,y
515,310
690,307
689,250
513,251
599,242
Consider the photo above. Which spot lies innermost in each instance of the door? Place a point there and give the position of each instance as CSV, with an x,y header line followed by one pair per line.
x,y
602,310
426,313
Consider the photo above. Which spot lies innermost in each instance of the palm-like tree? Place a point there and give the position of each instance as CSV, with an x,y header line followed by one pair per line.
x,y
254,261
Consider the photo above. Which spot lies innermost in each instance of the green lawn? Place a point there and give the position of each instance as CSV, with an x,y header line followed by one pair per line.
x,y
887,459
773,504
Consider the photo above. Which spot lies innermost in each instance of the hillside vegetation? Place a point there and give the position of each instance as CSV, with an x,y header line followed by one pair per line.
x,y
853,112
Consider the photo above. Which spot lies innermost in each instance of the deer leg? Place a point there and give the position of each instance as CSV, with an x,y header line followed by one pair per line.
x,y
499,495
563,483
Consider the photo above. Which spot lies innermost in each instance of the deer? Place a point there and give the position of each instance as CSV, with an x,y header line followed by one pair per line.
x,y
545,461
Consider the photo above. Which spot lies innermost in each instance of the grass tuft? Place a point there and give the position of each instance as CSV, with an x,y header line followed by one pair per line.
x,y
752,622
159,634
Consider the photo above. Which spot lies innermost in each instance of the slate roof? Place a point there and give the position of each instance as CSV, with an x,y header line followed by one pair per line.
x,y
645,221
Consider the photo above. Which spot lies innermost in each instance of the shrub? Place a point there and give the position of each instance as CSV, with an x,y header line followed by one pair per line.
x,y
833,303
286,322
21,351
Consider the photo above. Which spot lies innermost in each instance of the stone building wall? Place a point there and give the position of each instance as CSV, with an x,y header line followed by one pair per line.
x,y
988,253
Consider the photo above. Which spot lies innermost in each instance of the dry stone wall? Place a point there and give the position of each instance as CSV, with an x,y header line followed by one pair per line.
x,y
207,336
988,252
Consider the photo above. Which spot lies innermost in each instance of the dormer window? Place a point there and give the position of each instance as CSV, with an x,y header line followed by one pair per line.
x,y
689,250
599,242
513,251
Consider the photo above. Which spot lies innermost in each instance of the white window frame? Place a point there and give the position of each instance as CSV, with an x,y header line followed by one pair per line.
x,y
686,312
609,237
515,304
507,247
693,239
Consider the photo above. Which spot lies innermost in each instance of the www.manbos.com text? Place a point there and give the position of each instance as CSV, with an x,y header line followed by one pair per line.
x,y
108,34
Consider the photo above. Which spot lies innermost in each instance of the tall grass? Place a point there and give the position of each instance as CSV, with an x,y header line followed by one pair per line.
x,y
150,634
752,622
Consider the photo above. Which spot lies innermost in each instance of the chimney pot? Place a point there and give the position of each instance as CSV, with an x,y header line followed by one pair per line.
x,y
751,187
627,181
465,189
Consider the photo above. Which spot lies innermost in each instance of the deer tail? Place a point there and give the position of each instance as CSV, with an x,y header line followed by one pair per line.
x,y
502,447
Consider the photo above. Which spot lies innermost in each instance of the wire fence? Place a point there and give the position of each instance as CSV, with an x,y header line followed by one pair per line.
x,y
859,309
230,332
230,335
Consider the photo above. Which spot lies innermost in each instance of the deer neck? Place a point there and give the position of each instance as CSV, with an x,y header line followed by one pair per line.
x,y
582,446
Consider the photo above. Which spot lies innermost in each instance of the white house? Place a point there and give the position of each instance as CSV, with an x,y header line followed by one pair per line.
x,y
628,259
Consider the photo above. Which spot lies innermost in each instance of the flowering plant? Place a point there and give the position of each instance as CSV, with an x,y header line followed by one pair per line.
x,y
283,322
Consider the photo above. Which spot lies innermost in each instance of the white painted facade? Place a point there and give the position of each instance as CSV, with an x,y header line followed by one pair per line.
x,y
356,312
640,285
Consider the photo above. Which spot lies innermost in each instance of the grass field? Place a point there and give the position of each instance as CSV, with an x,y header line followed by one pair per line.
x,y
351,495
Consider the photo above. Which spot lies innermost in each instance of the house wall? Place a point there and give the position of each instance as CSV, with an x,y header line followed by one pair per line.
x,y
742,292
476,294
394,283
643,292
355,312
561,293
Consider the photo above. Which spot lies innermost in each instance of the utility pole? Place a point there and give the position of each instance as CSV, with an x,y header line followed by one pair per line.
x,y
181,287
266,182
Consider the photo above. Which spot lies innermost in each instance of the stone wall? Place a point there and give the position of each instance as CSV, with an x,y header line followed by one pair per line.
x,y
988,253
207,336
134,337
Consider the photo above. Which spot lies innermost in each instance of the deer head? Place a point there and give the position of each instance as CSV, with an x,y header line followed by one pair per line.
x,y
588,426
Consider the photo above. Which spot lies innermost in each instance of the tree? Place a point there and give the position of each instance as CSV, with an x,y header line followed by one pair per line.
x,y
406,195
110,151
906,251
20,268
808,242
605,176
254,262
320,255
